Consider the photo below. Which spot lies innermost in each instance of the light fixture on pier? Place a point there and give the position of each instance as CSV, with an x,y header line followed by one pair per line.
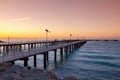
x,y
47,34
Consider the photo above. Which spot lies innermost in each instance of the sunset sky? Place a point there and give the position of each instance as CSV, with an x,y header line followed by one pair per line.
x,y
87,18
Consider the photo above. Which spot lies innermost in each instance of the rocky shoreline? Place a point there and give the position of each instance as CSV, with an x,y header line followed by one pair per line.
x,y
15,72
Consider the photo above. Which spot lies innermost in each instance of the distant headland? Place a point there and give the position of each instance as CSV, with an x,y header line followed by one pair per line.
x,y
1,41
100,40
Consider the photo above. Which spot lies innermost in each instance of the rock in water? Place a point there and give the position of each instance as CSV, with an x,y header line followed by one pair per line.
x,y
69,78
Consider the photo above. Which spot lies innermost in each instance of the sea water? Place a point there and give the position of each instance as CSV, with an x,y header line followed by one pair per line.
x,y
95,60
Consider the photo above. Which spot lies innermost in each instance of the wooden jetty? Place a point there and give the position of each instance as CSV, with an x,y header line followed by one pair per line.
x,y
10,52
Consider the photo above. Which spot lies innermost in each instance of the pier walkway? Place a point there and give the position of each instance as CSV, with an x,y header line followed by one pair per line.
x,y
10,52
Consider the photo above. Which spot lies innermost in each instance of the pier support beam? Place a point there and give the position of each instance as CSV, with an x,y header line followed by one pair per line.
x,y
25,61
70,48
45,60
66,51
7,49
35,61
61,52
12,62
55,55
73,47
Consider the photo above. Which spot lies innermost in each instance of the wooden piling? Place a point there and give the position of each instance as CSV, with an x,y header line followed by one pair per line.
x,y
35,61
26,61
12,62
55,55
61,52
44,61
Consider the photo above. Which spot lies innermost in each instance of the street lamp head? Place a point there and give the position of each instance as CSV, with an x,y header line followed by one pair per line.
x,y
46,30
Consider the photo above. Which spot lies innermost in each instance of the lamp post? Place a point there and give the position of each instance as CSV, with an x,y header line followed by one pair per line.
x,y
46,30
46,34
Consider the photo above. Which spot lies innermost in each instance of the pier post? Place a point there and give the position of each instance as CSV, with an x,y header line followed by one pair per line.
x,y
7,49
24,47
31,46
61,52
78,45
12,62
10,47
35,45
35,61
25,61
73,47
66,51
3,48
44,61
55,55
19,47
40,45
28,47
70,48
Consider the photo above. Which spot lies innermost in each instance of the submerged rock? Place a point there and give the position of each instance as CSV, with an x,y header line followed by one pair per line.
x,y
8,72
17,76
52,76
6,65
15,72
69,78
